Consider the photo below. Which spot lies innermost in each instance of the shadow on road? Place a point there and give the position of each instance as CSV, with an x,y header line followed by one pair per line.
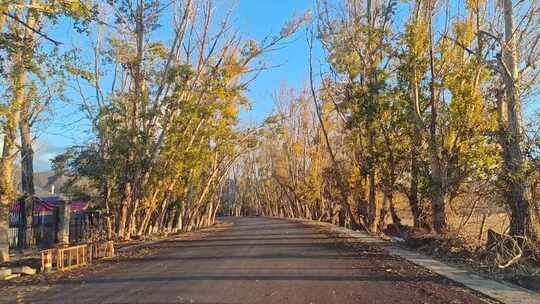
x,y
329,279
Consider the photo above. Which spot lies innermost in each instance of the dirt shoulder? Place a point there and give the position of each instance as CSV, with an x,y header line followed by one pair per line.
x,y
463,273
125,251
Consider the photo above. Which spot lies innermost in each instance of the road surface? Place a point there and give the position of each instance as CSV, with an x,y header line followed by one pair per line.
x,y
258,260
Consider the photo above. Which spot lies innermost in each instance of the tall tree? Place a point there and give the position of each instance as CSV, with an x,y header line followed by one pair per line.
x,y
23,20
512,128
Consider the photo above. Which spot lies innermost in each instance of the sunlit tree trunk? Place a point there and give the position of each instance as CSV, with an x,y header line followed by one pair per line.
x,y
123,211
372,186
518,192
27,164
437,186
18,77
27,152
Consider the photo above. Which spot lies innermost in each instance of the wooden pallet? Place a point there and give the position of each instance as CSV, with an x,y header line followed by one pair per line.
x,y
75,256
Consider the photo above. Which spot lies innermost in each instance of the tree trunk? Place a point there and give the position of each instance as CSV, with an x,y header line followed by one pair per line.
x,y
147,216
372,199
27,153
417,210
384,211
437,186
179,224
161,217
7,187
518,191
109,219
393,213
123,211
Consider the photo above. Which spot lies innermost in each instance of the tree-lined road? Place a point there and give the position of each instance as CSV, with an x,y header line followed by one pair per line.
x,y
259,260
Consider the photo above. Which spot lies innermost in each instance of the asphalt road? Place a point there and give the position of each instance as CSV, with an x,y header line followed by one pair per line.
x,y
258,260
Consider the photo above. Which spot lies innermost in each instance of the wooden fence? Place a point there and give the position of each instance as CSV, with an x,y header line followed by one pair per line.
x,y
101,250
75,256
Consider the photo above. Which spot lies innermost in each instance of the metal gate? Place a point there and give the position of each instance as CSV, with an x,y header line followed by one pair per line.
x,y
32,223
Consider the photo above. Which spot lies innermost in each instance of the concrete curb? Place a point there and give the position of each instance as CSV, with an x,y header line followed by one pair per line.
x,y
504,292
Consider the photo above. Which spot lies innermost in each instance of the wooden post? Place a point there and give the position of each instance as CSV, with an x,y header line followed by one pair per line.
x,y
63,223
482,225
46,260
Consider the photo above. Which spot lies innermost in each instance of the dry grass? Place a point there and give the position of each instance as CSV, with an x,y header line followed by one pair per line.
x,y
463,220
465,245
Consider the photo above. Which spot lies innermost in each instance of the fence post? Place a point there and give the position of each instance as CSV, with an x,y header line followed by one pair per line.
x,y
29,221
63,222
46,260
21,222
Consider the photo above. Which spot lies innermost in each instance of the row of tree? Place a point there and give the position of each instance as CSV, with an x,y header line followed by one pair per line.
x,y
418,100
161,85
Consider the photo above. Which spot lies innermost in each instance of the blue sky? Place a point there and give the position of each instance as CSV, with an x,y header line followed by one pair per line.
x,y
259,19
255,19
